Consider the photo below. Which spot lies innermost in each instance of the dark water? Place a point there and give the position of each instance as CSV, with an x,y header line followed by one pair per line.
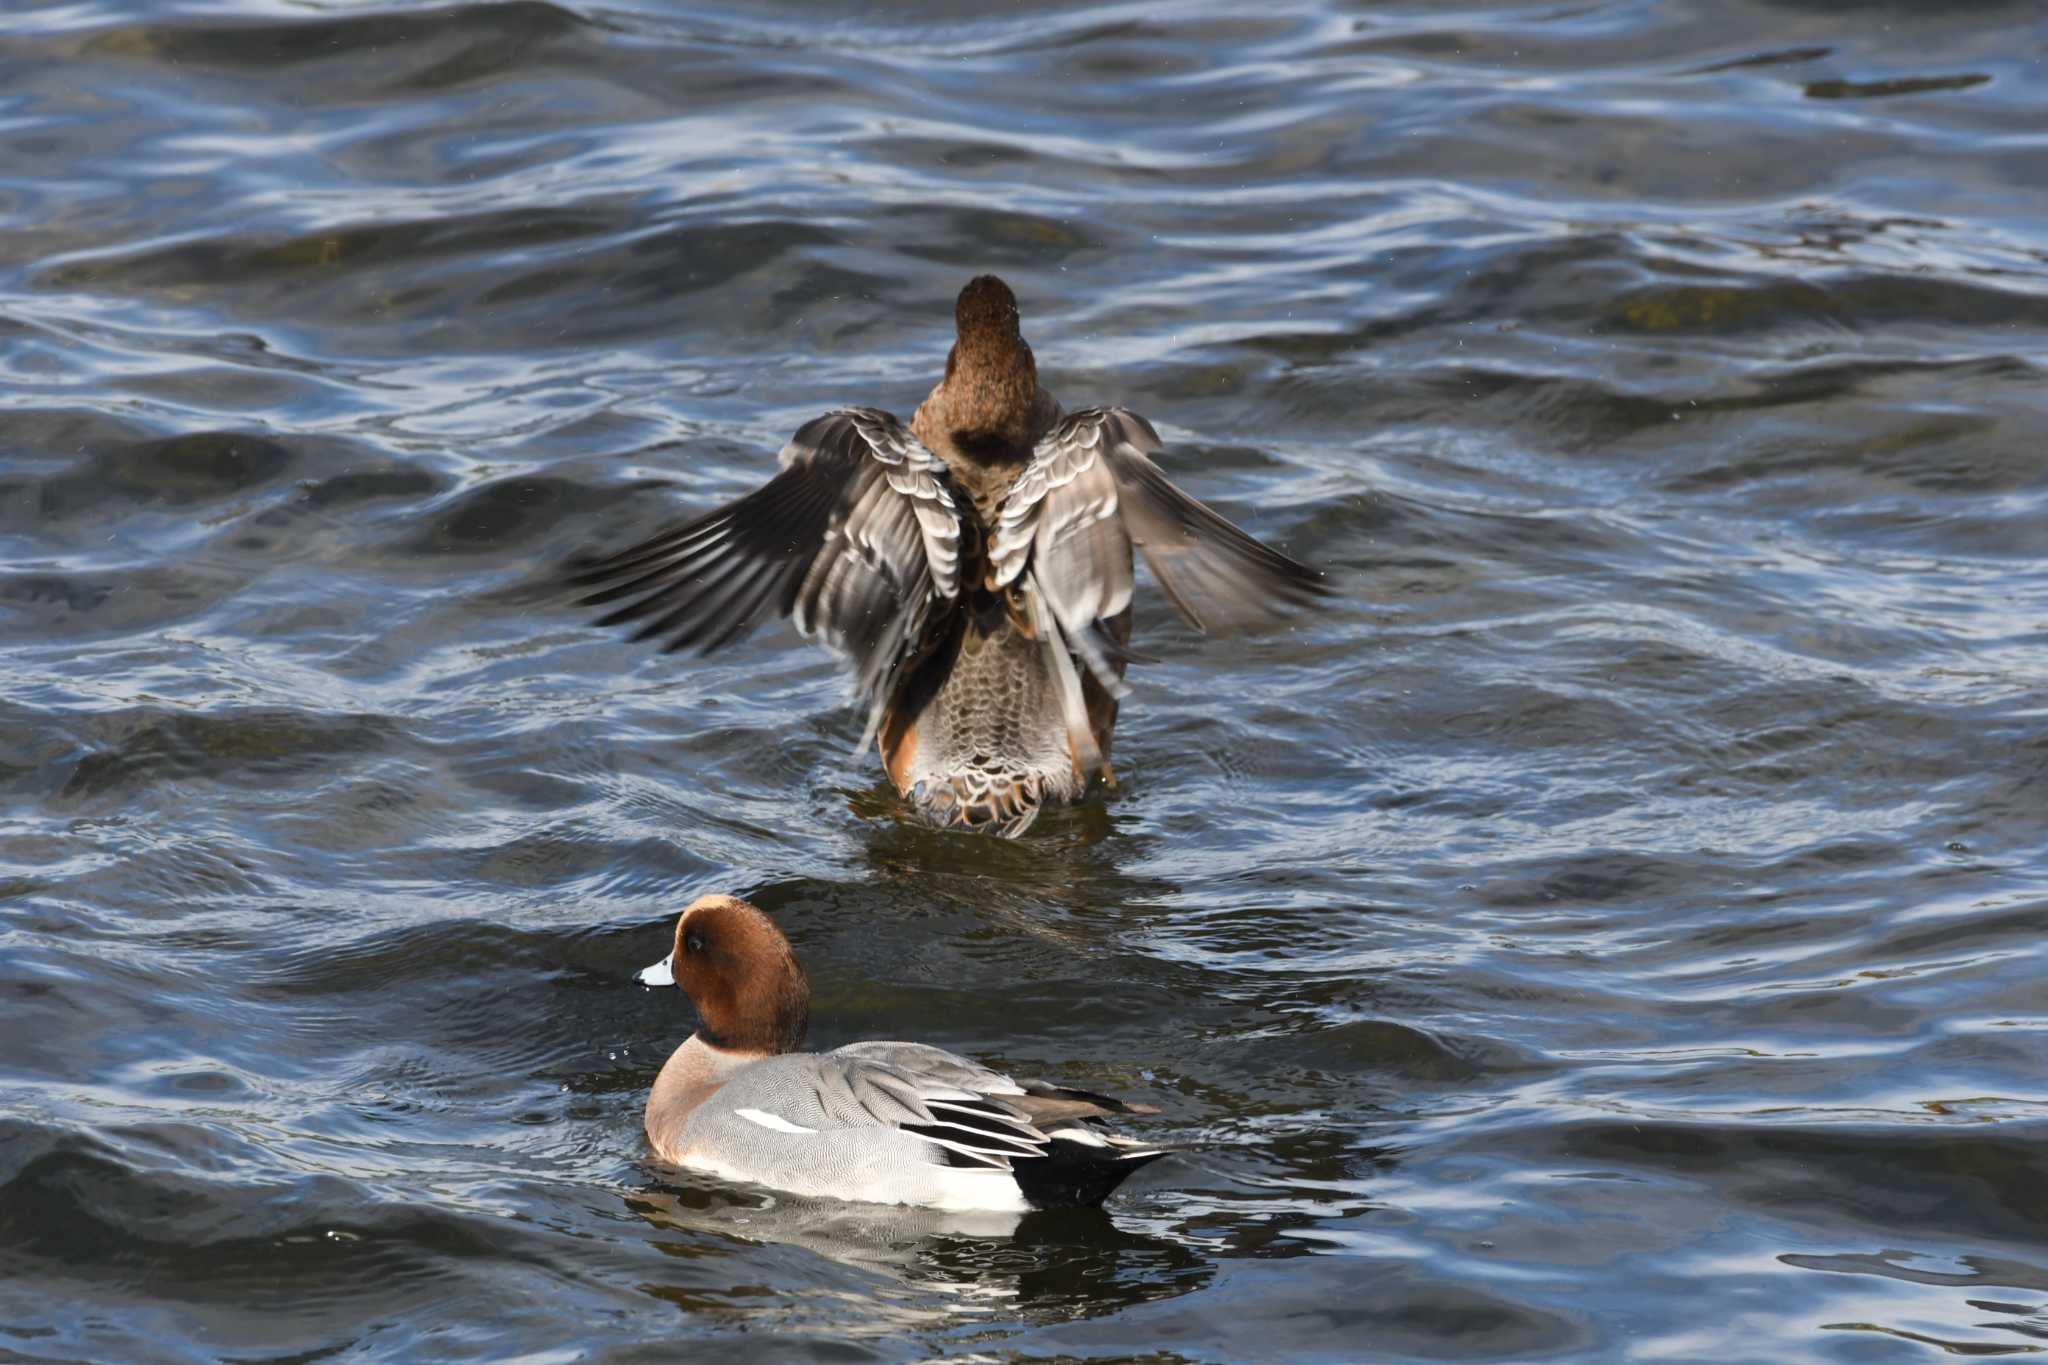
x,y
1613,930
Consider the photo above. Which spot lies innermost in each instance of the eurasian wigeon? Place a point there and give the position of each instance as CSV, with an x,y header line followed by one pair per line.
x,y
888,1123
974,569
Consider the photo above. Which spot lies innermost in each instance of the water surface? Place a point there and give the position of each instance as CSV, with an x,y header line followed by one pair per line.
x,y
1611,930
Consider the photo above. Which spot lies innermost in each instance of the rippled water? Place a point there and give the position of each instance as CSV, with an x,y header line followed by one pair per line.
x,y
1612,929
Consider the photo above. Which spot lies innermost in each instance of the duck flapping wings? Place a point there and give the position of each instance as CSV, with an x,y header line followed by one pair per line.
x,y
862,540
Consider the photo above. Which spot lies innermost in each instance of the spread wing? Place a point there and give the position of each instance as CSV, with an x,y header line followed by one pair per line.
x,y
856,539
1091,493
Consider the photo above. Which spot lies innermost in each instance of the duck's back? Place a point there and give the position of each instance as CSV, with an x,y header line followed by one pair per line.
x,y
977,735
984,610
786,1122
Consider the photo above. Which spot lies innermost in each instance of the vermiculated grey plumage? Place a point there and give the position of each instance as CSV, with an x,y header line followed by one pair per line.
x,y
905,1120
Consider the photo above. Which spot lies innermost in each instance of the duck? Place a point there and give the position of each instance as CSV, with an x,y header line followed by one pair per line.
x,y
974,570
878,1122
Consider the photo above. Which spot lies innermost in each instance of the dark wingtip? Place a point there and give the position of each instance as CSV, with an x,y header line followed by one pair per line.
x,y
584,569
631,612
1293,582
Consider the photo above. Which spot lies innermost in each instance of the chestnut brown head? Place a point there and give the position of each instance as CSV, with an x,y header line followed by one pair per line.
x,y
741,974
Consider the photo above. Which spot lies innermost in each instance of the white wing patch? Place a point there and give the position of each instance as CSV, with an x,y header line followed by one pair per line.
x,y
774,1123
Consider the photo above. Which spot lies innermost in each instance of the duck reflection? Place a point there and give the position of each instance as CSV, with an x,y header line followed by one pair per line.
x,y
1059,1262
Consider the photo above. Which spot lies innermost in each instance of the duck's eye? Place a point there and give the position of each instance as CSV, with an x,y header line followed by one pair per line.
x,y
693,943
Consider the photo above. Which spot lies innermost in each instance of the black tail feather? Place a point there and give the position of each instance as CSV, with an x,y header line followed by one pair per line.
x,y
1076,1175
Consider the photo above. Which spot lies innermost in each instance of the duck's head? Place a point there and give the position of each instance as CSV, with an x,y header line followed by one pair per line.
x,y
741,975
990,372
986,307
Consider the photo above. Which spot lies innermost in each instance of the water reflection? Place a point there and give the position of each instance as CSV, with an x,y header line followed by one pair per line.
x,y
1059,1264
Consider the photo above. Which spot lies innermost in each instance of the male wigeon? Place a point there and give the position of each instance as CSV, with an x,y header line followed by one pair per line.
x,y
975,570
889,1123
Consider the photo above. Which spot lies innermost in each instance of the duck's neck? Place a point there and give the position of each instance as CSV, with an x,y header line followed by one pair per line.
x,y
988,409
985,444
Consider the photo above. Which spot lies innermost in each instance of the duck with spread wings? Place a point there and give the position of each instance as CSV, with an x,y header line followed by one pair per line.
x,y
974,569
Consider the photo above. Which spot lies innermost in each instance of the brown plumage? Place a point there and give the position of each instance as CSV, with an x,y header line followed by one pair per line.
x,y
988,410
751,993
976,570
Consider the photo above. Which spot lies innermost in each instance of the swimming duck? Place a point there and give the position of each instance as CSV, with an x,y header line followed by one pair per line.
x,y
974,569
889,1123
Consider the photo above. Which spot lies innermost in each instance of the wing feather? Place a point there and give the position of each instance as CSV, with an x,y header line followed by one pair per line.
x,y
933,1095
1090,495
857,539
967,1115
